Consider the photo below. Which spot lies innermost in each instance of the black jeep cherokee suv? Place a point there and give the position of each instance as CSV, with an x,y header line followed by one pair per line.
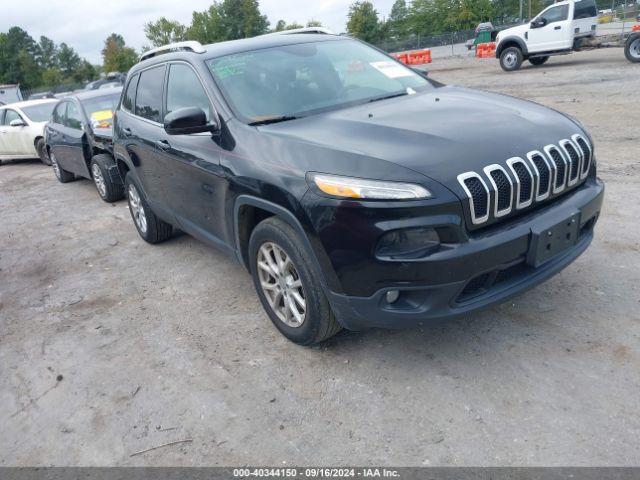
x,y
356,192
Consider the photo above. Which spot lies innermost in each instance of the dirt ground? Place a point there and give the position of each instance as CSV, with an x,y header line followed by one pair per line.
x,y
109,346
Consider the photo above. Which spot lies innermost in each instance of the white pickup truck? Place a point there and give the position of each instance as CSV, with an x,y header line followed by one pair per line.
x,y
561,28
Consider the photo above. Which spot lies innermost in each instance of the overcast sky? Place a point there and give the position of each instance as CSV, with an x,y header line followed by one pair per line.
x,y
84,24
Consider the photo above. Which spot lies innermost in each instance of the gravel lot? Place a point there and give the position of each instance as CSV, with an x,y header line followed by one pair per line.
x,y
109,346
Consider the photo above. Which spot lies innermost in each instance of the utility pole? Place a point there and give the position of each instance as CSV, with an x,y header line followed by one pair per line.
x,y
521,1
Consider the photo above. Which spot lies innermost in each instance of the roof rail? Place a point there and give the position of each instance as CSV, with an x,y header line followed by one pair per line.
x,y
320,30
192,46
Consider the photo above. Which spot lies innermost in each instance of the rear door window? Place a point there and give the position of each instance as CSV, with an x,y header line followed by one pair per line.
x,y
585,9
185,90
149,94
129,96
74,119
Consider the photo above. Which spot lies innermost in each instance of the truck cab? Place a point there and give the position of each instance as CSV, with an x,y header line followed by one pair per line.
x,y
552,32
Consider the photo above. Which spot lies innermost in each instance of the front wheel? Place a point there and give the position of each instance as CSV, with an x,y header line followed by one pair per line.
x,y
61,174
632,49
537,61
288,284
511,59
41,149
107,189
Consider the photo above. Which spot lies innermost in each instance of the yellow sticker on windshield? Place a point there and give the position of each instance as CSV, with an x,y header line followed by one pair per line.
x,y
391,69
101,118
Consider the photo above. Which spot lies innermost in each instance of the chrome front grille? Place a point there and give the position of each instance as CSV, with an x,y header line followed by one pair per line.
x,y
585,149
542,172
525,181
503,188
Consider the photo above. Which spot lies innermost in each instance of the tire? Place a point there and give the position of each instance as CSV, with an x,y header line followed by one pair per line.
x,y
61,174
537,61
108,191
318,322
511,59
632,48
149,226
41,148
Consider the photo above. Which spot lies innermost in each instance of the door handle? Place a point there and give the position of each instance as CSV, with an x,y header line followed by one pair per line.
x,y
126,132
163,145
557,28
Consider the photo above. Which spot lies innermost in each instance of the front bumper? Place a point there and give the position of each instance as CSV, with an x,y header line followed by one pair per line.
x,y
487,269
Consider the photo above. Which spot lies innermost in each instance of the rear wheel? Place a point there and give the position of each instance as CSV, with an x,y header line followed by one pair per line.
x,y
632,49
41,149
288,284
107,189
151,228
511,59
61,174
537,61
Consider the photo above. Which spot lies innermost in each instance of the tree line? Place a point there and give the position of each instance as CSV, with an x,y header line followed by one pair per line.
x,y
46,64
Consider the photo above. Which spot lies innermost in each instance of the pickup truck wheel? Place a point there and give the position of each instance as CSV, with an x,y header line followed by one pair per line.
x,y
61,174
537,61
41,149
288,284
149,226
632,49
511,59
107,189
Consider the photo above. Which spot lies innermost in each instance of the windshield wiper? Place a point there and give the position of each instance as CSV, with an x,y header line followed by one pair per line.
x,y
274,119
385,97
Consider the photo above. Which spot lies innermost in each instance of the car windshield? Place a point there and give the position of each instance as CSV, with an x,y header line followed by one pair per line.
x,y
100,109
39,113
290,81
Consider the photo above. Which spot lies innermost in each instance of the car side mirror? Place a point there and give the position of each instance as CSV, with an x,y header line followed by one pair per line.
x,y
17,123
538,23
188,120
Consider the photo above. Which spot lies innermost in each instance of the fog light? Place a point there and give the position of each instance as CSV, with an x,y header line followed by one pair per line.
x,y
392,296
408,243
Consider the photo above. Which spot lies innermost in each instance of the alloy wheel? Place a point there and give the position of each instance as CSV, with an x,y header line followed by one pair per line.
x,y
98,179
54,164
137,210
281,284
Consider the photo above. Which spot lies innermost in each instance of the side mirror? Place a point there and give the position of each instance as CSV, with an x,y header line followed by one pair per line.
x,y
188,120
17,123
539,23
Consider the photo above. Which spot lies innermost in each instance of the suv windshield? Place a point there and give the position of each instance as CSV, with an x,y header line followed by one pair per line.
x,y
295,80
39,113
100,110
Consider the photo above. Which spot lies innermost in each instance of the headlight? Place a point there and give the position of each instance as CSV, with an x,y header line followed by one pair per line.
x,y
347,187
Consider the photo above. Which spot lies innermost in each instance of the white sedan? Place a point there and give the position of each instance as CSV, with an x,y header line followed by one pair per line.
x,y
22,129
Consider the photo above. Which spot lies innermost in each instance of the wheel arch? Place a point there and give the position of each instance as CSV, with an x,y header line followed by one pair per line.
x,y
512,42
248,211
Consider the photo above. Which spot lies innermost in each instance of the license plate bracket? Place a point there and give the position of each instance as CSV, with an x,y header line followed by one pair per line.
x,y
547,242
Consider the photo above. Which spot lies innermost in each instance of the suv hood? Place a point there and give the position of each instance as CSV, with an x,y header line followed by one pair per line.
x,y
440,133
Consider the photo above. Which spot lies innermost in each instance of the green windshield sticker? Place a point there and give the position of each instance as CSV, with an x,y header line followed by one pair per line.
x,y
229,67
